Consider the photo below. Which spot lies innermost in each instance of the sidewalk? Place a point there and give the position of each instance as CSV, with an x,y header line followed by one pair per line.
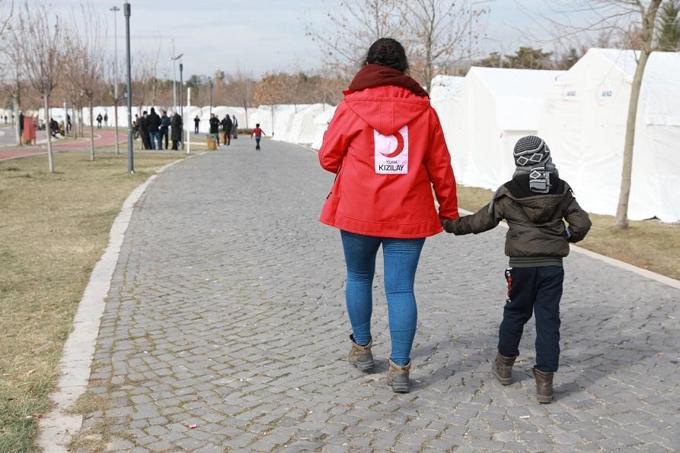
x,y
225,329
103,138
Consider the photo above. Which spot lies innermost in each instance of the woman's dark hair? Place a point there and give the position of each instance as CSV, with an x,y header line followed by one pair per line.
x,y
387,52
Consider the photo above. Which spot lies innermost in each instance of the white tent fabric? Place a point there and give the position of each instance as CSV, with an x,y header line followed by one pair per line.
x,y
483,117
584,122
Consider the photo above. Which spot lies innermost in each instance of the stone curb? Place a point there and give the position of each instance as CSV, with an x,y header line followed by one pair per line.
x,y
57,427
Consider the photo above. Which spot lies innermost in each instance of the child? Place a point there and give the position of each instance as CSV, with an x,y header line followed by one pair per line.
x,y
534,204
258,133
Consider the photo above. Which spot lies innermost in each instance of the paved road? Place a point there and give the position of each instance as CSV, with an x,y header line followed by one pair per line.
x,y
225,330
103,138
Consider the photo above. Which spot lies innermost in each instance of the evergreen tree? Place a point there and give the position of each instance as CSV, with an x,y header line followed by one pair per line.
x,y
529,58
669,26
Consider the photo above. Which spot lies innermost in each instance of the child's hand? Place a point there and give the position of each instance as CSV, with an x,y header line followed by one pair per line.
x,y
448,225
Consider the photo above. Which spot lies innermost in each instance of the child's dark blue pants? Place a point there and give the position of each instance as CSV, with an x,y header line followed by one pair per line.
x,y
533,290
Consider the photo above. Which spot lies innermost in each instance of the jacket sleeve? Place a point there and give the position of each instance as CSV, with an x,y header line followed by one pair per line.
x,y
438,165
578,220
485,219
335,140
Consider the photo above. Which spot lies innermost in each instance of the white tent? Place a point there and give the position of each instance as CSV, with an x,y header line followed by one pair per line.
x,y
485,115
584,122
445,97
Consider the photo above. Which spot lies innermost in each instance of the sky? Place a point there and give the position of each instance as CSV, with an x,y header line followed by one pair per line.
x,y
266,35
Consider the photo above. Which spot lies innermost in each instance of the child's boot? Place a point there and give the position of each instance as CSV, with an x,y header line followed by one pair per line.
x,y
544,386
397,377
502,368
361,356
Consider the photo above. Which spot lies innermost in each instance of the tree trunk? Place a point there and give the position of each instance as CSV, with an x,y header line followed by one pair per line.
x,y
50,157
115,120
626,174
17,127
91,132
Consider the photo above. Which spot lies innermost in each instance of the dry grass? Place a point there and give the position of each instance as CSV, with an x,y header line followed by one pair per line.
x,y
53,229
648,244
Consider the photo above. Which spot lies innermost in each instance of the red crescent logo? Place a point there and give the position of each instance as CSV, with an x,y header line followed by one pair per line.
x,y
400,146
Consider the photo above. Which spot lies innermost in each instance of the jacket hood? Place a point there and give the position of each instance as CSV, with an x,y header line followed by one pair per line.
x,y
387,108
539,209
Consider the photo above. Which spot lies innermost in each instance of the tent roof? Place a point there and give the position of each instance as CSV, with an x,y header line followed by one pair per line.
x,y
661,84
518,94
529,83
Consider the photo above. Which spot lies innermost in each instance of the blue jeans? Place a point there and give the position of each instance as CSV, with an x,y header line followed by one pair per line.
x,y
155,138
533,290
401,258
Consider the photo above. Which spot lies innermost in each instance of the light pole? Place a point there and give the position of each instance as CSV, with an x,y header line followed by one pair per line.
x,y
174,74
181,102
211,94
115,10
127,11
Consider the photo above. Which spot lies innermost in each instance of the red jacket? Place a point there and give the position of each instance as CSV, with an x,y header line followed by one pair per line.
x,y
387,148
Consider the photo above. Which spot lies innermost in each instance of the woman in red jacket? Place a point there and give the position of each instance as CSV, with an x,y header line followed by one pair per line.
x,y
385,145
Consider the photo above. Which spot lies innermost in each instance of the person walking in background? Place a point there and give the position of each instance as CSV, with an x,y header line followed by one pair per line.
x,y
165,125
226,130
215,128
106,119
154,124
386,146
258,133
144,130
176,125
535,204
99,121
234,126
68,123
197,121
21,126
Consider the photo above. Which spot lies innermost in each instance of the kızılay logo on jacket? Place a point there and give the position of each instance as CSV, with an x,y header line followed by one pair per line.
x,y
391,152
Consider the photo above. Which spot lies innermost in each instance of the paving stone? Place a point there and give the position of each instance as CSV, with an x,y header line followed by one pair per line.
x,y
225,330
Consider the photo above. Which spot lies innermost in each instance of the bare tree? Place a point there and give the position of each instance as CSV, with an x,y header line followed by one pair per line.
x,y
635,22
436,33
115,91
6,12
41,43
241,90
14,58
647,15
72,89
84,44
357,24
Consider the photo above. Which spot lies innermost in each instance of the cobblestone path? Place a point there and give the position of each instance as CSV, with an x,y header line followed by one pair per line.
x,y
225,330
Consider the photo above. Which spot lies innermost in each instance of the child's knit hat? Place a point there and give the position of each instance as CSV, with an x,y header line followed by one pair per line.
x,y
532,157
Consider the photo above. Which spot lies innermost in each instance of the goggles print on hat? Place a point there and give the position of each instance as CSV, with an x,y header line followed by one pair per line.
x,y
391,152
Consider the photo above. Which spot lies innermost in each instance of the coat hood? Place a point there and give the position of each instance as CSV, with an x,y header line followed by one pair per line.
x,y
387,108
538,208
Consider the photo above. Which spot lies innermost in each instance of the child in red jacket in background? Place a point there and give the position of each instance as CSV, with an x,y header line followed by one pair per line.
x,y
258,133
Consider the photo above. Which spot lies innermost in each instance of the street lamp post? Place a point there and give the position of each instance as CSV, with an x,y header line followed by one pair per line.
x,y
115,10
127,11
211,95
174,75
181,101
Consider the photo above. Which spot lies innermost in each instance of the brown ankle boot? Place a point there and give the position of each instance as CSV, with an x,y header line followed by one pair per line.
x,y
544,386
361,356
502,368
398,377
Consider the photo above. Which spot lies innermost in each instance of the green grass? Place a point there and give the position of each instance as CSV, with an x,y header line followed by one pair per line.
x,y
53,229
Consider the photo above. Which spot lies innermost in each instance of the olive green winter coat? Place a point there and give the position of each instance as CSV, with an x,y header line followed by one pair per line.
x,y
538,234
